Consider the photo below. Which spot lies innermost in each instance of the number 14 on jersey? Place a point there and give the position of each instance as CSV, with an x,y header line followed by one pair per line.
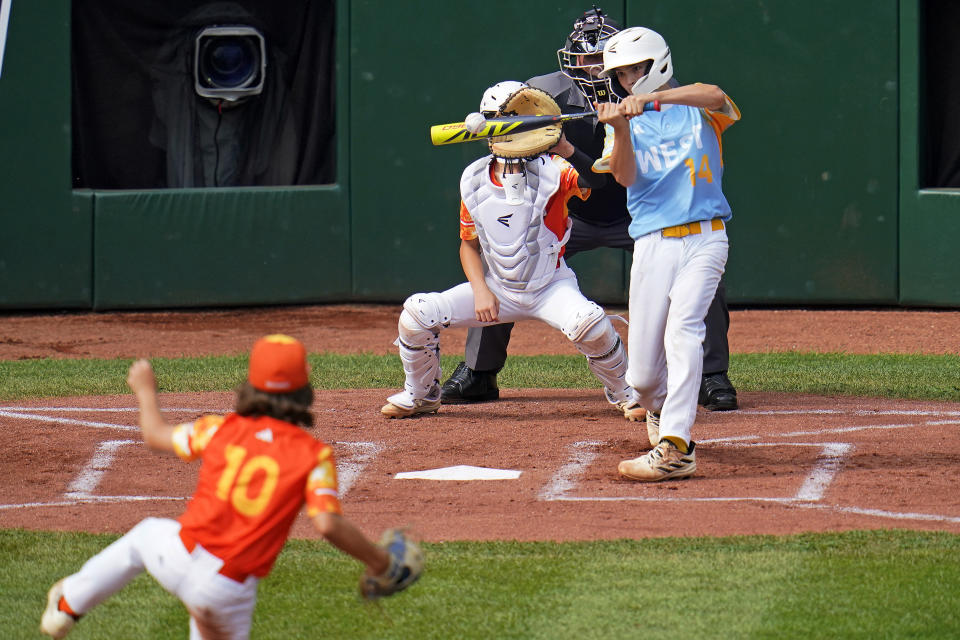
x,y
703,173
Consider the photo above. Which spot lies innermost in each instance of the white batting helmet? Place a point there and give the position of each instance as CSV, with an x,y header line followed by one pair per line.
x,y
494,97
634,45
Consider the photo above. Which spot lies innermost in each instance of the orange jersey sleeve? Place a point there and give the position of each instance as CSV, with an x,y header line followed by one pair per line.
x,y
557,211
468,230
191,438
321,495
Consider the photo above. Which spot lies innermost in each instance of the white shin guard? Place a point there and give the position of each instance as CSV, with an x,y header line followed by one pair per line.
x,y
420,354
607,359
421,365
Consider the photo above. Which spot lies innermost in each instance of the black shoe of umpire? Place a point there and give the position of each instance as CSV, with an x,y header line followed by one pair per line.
x,y
466,386
717,392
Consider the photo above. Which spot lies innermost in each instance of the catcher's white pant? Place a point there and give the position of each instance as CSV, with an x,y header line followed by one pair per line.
x,y
559,303
154,545
672,282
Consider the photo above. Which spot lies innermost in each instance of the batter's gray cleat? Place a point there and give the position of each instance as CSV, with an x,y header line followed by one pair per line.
x,y
56,623
665,461
653,427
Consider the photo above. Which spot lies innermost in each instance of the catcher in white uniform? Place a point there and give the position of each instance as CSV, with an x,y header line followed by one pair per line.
x,y
671,163
513,227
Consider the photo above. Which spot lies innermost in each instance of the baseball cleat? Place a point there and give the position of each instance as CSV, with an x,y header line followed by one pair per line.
x,y
634,412
56,623
404,405
419,406
653,427
717,393
665,461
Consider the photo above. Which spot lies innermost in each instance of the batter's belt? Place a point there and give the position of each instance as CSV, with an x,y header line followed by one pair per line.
x,y
691,228
226,571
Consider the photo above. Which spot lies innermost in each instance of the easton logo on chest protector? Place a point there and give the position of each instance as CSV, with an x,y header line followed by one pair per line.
x,y
505,220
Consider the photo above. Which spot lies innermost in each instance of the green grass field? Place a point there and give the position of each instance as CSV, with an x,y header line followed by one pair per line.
x,y
877,584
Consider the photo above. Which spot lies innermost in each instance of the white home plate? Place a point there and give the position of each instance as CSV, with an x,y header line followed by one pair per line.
x,y
460,472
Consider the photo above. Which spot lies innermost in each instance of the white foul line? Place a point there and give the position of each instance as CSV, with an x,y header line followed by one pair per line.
x,y
820,432
96,409
880,513
81,423
853,412
30,413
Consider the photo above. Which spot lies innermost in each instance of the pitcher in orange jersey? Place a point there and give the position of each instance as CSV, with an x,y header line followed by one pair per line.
x,y
259,468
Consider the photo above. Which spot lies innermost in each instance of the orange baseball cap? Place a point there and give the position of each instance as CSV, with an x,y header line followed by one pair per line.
x,y
278,364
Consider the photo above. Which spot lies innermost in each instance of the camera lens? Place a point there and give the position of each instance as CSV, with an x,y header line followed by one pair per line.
x,y
229,62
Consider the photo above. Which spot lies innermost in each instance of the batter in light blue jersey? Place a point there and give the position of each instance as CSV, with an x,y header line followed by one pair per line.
x,y
672,165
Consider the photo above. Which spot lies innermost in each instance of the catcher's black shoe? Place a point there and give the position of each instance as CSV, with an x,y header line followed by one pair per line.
x,y
717,393
466,386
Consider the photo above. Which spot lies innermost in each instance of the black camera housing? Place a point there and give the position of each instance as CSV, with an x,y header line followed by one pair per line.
x,y
229,62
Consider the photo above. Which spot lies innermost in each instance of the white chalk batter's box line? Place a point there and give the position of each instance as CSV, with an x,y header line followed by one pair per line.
x,y
81,488
564,481
828,463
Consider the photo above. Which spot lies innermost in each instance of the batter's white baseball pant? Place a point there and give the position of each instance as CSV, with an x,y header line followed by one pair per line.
x,y
154,545
672,282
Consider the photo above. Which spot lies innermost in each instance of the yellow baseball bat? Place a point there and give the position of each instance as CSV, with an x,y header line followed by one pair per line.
x,y
456,132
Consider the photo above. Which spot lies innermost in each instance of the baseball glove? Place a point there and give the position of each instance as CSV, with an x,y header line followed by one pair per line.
x,y
406,565
527,101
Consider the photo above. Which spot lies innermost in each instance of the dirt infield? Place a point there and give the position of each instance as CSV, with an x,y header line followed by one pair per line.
x,y
372,329
782,464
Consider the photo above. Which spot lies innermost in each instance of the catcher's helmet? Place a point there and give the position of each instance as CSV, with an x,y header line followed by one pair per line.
x,y
581,58
494,97
635,45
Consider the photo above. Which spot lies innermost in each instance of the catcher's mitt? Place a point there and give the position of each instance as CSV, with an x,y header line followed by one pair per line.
x,y
527,101
406,565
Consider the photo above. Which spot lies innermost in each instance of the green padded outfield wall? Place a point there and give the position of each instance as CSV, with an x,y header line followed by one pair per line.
x,y
813,172
213,247
45,241
929,218
429,63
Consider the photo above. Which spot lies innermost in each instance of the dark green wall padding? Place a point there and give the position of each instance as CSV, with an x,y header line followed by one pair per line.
x,y
811,171
407,192
821,172
210,247
45,242
929,219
